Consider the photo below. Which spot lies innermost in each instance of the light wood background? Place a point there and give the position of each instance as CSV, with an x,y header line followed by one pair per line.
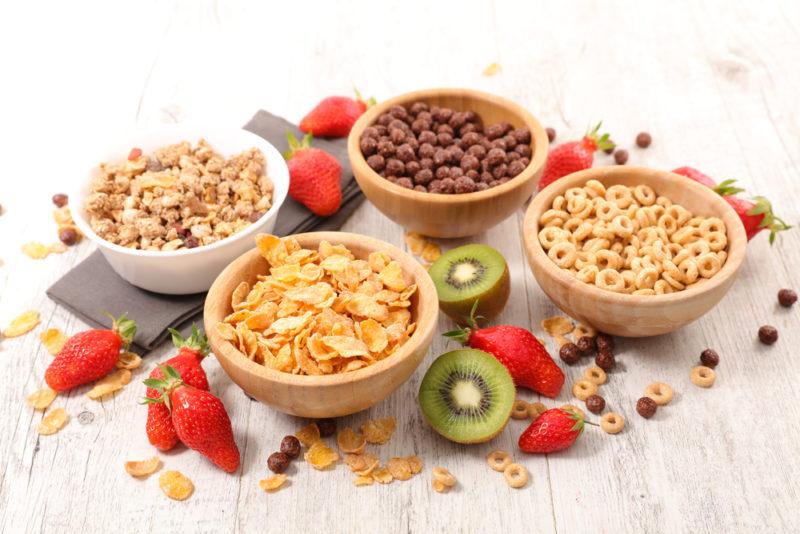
x,y
716,84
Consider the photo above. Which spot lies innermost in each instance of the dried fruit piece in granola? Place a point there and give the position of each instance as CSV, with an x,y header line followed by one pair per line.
x,y
350,441
143,468
53,422
22,324
379,431
41,399
175,485
53,340
273,483
321,456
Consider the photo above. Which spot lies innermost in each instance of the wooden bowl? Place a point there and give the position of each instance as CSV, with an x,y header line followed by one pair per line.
x,y
451,215
634,315
328,395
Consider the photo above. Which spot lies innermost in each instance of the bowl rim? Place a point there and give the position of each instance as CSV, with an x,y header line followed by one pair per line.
x,y
426,324
538,139
262,144
530,230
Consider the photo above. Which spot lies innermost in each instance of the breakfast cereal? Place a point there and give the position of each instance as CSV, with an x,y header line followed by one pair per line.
x,y
175,485
320,456
180,197
703,376
41,399
53,340
350,441
109,384
498,460
143,468
612,423
660,392
516,475
520,409
596,375
443,479
22,324
379,431
273,483
53,422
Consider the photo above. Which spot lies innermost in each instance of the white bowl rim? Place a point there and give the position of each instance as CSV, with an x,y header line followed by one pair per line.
x,y
86,229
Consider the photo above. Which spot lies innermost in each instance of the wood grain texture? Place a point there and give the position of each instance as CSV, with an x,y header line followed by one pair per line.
x,y
714,82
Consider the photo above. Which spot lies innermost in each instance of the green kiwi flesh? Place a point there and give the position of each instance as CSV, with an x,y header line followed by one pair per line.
x,y
467,396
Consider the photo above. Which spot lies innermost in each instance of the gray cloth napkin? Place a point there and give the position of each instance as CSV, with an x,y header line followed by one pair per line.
x,y
92,288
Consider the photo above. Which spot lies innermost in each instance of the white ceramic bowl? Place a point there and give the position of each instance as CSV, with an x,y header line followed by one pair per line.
x,y
181,272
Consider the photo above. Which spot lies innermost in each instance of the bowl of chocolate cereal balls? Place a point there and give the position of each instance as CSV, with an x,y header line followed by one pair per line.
x,y
633,251
447,162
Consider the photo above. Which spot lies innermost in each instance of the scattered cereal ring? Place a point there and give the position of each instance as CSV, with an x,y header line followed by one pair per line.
x,y
703,376
612,423
660,392
595,375
516,475
498,460
536,409
520,409
583,389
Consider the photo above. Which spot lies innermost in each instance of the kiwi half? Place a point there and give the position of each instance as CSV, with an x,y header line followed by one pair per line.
x,y
467,274
467,396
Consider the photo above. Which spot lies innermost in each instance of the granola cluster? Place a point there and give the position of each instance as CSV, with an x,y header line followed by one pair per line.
x,y
180,197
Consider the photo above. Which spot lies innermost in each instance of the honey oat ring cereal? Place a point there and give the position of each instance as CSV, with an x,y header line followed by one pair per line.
x,y
703,376
498,460
520,409
516,475
583,389
595,375
612,423
660,392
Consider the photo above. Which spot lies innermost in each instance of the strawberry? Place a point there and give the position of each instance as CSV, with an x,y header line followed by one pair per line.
x,y
554,430
160,430
335,116
573,156
756,214
200,419
314,176
89,355
518,350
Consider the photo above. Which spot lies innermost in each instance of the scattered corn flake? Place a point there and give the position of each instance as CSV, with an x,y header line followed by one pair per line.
x,y
53,422
57,248
41,399
22,324
431,252
416,242
143,468
379,431
273,483
583,330
320,456
109,384
362,464
491,69
557,325
62,216
382,475
308,435
350,441
440,487
561,340
175,485
53,340
35,250
399,468
129,360
363,480
415,463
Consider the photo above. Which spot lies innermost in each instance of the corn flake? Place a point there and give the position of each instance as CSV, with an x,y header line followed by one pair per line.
x,y
36,251
56,248
415,463
308,435
53,340
109,384
399,468
379,431
143,468
53,422
175,485
431,252
22,324
41,399
320,456
557,325
350,441
273,483
373,335
363,480
382,475
129,360
392,276
345,346
362,464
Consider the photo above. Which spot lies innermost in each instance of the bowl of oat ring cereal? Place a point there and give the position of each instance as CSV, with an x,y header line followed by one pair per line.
x,y
172,206
321,324
447,162
633,251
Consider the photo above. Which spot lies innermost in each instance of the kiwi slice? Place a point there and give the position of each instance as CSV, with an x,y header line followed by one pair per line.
x,y
468,274
467,396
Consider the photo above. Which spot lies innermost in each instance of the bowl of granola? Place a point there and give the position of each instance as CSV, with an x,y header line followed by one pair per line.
x,y
321,324
172,206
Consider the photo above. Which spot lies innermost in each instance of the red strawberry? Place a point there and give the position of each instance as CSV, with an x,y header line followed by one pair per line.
x,y
573,156
756,214
522,354
89,356
335,116
314,176
160,430
199,417
554,430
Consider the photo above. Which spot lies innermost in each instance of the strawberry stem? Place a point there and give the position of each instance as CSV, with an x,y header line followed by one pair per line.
x,y
369,102
295,145
124,327
762,206
197,342
461,334
164,386
601,141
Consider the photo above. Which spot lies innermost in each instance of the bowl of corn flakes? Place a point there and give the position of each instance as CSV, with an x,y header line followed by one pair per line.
x,y
172,206
321,324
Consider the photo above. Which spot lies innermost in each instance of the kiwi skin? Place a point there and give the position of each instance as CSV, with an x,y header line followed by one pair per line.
x,y
489,306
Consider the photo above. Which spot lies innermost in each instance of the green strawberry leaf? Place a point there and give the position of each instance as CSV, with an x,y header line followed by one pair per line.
x,y
726,188
769,220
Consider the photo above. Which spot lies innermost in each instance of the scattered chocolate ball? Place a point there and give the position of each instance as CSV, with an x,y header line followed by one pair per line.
x,y
587,345
327,427
768,334
551,134
278,462
570,353
60,200
256,215
290,446
595,404
646,407
787,297
605,360
709,358
604,341
643,140
68,235
621,156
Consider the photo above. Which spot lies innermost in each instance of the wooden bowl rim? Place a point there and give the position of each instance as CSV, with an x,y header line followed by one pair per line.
x,y
427,314
737,239
538,138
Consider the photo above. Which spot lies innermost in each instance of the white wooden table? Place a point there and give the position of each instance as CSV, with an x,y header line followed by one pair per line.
x,y
715,84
